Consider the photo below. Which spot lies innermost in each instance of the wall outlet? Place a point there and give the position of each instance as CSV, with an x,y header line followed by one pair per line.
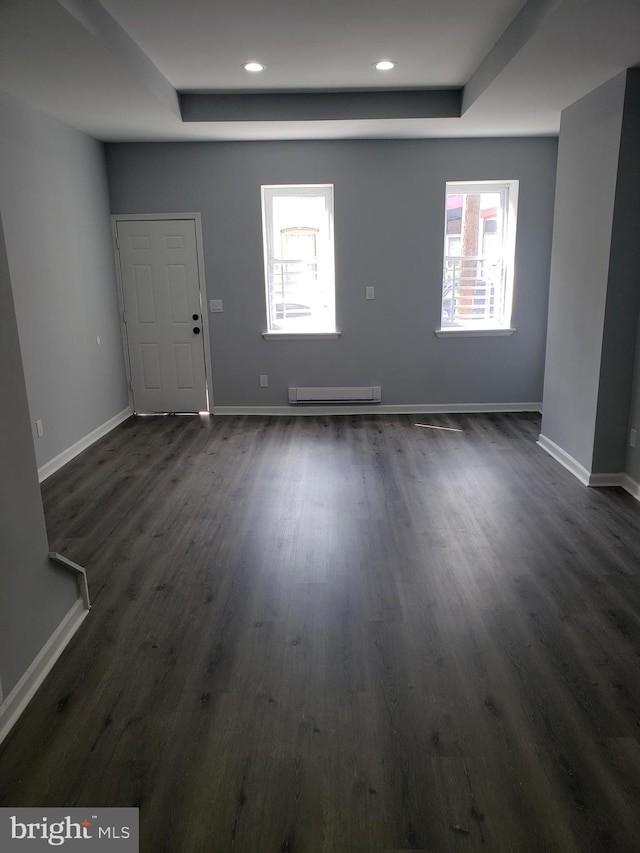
x,y
264,380
215,306
39,429
632,438
370,292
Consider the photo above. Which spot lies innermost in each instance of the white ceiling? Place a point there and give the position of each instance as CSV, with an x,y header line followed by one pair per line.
x,y
314,43
112,68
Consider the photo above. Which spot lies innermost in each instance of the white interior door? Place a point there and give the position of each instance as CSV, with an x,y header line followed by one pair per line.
x,y
163,314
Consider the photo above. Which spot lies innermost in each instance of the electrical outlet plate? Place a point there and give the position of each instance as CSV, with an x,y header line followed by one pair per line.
x,y
264,380
215,306
370,293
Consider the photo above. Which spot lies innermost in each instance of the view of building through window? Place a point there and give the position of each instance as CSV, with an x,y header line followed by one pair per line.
x,y
299,265
479,244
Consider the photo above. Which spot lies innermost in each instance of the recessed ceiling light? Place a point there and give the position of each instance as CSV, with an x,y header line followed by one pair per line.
x,y
254,67
385,65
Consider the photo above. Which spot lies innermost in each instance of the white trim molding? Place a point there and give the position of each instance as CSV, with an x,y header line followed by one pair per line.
x,y
630,485
620,480
603,481
70,453
25,689
300,336
80,573
564,459
596,481
301,410
470,332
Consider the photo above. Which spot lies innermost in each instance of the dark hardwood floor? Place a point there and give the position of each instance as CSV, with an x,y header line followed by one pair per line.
x,y
343,634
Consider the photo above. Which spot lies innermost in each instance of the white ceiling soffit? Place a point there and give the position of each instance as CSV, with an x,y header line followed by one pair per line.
x,y
171,69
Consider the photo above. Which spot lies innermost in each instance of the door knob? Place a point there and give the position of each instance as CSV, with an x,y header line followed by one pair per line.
x,y
196,316
196,330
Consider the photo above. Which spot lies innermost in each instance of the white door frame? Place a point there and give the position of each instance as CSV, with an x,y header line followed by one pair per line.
x,y
204,304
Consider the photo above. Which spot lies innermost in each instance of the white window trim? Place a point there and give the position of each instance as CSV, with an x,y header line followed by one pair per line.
x,y
499,329
466,332
268,193
299,336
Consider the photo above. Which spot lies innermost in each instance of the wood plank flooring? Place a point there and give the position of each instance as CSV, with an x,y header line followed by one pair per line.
x,y
343,634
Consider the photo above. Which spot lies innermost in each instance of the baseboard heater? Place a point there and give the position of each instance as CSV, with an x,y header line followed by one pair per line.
x,y
332,394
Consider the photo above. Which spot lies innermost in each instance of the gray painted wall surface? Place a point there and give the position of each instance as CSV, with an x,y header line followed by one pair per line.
x,y
54,201
34,596
632,462
585,195
623,296
389,203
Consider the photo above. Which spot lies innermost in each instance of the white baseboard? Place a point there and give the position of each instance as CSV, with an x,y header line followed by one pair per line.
x,y
379,409
586,478
70,453
25,689
604,480
630,486
564,459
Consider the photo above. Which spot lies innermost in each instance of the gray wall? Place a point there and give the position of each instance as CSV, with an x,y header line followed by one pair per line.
x,y
593,301
585,193
389,200
34,596
632,461
54,202
623,295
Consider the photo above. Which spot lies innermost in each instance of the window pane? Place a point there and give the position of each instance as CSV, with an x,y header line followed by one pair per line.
x,y
477,264
299,258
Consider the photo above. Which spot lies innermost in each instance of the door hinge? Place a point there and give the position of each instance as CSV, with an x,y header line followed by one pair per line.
x,y
124,317
118,243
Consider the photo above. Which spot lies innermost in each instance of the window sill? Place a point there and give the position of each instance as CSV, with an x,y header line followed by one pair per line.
x,y
466,332
299,336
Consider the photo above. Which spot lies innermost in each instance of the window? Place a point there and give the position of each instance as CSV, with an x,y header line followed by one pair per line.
x,y
479,248
297,224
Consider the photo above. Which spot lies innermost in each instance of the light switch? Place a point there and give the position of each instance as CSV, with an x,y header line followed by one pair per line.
x,y
215,306
370,293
